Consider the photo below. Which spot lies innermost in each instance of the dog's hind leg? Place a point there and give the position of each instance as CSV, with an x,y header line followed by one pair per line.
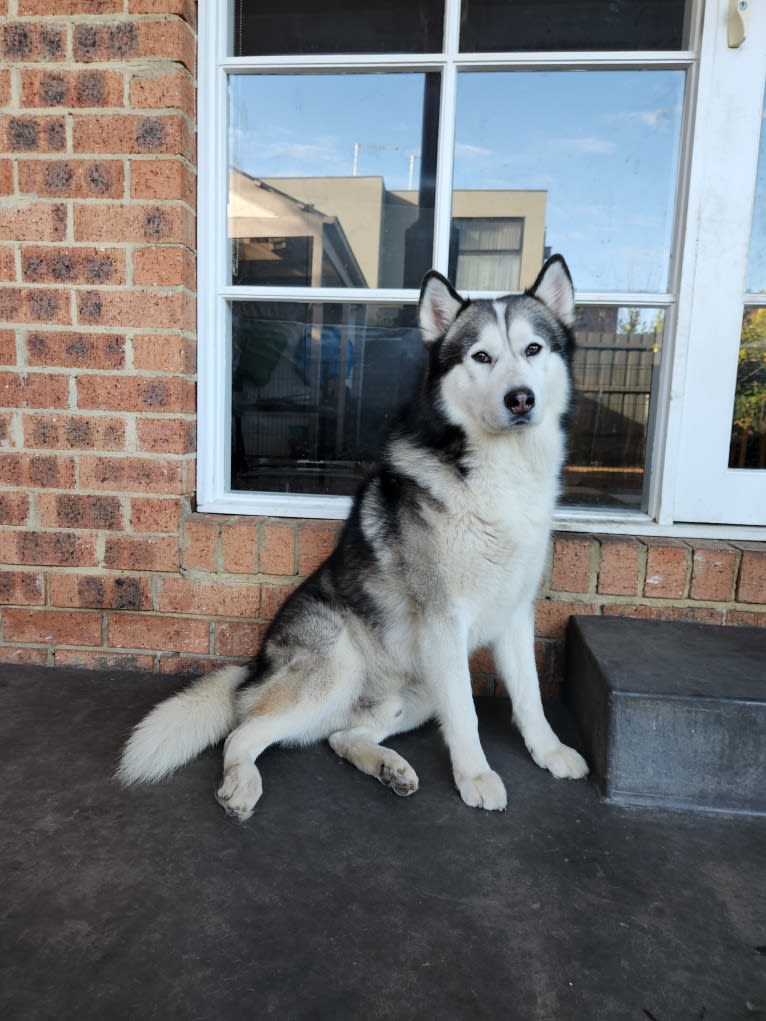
x,y
360,744
303,701
515,659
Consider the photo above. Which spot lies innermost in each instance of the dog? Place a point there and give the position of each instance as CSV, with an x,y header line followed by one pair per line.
x,y
442,552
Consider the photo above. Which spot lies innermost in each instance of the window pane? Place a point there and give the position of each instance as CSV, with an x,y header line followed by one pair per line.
x,y
332,178
296,27
588,161
521,25
748,430
314,388
616,368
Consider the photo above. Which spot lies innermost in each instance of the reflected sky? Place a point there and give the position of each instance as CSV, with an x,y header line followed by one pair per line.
x,y
603,145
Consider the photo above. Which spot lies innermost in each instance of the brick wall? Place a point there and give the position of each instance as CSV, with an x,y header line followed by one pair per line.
x,y
103,561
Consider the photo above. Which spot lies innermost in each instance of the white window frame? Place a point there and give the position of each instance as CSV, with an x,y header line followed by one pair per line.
x,y
669,436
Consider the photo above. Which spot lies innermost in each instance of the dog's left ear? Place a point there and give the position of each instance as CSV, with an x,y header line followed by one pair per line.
x,y
554,287
438,307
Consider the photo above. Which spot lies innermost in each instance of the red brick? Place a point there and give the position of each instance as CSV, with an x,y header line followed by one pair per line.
x,y
315,543
54,627
100,592
273,598
240,545
28,41
154,514
277,554
33,390
714,568
69,7
152,631
135,475
23,655
238,638
158,89
49,549
40,134
163,178
698,614
186,9
746,618
76,350
34,305
131,39
165,266
78,510
552,616
164,353
482,662
67,265
167,134
32,221
5,88
68,178
14,508
170,39
21,588
573,567
152,309
37,471
751,585
88,660
620,565
139,553
667,569
138,222
71,89
209,599
6,177
7,263
175,664
73,432
200,542
7,347
136,393
166,435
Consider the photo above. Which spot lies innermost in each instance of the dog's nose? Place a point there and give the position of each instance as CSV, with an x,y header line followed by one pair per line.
x,y
520,401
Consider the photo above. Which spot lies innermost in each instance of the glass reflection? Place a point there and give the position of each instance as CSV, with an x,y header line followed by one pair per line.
x,y
494,25
332,178
314,388
588,161
748,429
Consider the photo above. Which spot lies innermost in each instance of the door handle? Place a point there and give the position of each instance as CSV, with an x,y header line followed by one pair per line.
x,y
736,23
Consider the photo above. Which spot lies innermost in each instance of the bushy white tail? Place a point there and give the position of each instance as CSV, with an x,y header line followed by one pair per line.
x,y
181,727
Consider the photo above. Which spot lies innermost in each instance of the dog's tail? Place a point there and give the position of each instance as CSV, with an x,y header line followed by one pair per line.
x,y
181,727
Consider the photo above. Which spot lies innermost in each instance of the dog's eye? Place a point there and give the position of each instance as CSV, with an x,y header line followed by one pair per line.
x,y
533,349
482,357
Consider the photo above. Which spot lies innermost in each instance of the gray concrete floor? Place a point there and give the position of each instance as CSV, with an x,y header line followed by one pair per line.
x,y
338,900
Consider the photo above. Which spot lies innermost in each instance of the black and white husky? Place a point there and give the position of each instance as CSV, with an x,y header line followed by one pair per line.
x,y
443,552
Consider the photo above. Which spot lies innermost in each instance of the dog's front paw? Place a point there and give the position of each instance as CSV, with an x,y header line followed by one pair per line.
x,y
563,762
240,790
486,790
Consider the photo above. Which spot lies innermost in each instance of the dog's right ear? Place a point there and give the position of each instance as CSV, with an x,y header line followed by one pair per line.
x,y
438,307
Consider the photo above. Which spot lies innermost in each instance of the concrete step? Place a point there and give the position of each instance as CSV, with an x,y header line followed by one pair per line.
x,y
673,714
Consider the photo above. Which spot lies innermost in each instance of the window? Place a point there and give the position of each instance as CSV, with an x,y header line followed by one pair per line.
x,y
348,148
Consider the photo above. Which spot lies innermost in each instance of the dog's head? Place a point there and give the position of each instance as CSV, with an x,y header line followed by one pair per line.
x,y
505,363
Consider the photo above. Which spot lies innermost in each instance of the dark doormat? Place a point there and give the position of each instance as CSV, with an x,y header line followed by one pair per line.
x,y
339,900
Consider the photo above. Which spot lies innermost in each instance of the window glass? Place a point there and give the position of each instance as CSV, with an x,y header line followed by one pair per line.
x,y
586,159
748,429
616,368
282,27
496,25
322,192
314,388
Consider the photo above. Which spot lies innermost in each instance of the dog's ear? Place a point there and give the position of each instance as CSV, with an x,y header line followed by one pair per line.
x,y
554,287
438,307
